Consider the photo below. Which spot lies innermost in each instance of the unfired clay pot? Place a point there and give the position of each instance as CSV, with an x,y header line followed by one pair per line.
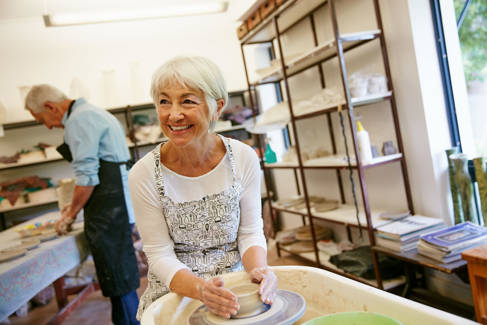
x,y
248,299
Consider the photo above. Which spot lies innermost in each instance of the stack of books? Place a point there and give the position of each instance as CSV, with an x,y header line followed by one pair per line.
x,y
402,234
446,245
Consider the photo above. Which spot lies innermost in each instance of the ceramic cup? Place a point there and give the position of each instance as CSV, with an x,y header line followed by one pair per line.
x,y
248,299
377,84
358,86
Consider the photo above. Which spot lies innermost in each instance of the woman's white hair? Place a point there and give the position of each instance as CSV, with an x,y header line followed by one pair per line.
x,y
38,95
193,72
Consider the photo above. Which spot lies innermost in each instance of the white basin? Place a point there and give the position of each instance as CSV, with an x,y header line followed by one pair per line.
x,y
325,293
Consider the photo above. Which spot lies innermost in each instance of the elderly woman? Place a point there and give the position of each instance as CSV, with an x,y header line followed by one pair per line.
x,y
196,196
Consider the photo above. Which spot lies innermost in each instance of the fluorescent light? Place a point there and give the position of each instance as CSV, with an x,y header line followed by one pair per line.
x,y
202,8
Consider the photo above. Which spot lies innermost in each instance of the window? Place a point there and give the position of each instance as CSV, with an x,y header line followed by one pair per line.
x,y
469,22
472,31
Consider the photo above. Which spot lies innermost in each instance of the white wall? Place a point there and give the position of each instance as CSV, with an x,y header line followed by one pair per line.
x,y
31,53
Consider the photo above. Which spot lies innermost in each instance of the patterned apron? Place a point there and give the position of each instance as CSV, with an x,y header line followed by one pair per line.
x,y
204,231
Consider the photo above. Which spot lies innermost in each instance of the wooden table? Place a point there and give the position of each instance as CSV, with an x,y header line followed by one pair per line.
x,y
477,272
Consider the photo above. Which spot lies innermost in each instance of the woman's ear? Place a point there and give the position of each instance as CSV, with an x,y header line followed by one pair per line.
x,y
219,106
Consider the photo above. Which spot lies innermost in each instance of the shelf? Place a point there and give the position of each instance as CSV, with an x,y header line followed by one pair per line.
x,y
325,264
336,162
115,110
344,215
28,205
317,55
356,101
264,31
412,256
370,99
134,108
282,69
39,162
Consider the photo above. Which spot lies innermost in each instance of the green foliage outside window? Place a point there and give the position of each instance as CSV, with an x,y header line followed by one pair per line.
x,y
473,39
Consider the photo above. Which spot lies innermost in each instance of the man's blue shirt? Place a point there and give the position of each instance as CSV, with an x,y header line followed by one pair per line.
x,y
93,134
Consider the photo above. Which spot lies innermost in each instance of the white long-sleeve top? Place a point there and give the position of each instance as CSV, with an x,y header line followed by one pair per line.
x,y
150,220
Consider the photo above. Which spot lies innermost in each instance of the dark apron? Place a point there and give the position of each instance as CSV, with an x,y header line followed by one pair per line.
x,y
107,229
109,233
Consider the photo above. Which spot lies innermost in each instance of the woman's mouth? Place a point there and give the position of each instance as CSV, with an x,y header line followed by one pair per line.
x,y
179,128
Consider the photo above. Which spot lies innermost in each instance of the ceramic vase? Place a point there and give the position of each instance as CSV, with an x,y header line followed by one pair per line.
x,y
481,176
465,187
457,204
388,148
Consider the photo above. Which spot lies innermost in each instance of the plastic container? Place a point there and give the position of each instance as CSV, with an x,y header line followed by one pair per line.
x,y
269,155
364,144
347,318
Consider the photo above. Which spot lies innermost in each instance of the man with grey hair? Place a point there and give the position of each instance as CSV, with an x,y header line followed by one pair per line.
x,y
94,143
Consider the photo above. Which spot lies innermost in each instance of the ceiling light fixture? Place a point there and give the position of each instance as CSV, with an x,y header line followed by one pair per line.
x,y
70,19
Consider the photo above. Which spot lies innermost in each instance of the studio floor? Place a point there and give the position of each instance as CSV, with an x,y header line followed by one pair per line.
x,y
96,309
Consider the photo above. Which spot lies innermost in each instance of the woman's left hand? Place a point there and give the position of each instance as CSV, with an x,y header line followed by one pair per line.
x,y
268,283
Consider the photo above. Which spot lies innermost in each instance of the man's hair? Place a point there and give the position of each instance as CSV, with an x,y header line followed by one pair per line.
x,y
40,94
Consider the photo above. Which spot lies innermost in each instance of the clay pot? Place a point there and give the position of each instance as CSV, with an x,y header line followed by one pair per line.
x,y
248,299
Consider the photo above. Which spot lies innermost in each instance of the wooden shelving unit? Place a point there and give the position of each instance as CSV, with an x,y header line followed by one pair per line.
x,y
270,31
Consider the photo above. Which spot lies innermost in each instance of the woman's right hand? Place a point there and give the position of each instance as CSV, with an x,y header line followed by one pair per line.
x,y
218,299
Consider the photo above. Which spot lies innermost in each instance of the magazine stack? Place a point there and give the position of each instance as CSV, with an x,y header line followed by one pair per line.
x,y
403,234
446,245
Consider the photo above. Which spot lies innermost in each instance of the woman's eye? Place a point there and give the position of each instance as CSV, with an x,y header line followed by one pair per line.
x,y
189,101
163,101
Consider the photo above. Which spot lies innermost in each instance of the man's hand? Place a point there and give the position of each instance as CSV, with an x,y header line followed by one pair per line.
x,y
218,300
268,283
63,225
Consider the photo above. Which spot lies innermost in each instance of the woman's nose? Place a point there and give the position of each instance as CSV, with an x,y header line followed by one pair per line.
x,y
176,113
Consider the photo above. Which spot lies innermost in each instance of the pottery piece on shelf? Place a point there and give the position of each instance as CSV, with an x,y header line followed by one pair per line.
x,y
377,83
388,148
304,246
375,151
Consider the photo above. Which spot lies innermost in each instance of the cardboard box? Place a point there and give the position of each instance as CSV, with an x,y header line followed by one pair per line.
x,y
267,8
254,20
242,30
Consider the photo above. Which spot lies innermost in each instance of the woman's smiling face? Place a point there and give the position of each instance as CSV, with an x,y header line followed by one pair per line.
x,y
183,113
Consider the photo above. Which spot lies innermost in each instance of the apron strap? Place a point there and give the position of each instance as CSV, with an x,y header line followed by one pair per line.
x,y
226,142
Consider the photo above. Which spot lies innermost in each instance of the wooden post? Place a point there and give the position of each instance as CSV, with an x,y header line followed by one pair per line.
x,y
477,272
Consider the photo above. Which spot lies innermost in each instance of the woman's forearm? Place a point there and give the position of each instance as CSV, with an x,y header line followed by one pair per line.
x,y
254,256
185,283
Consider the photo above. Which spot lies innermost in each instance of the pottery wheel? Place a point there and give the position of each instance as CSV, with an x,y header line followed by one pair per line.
x,y
287,308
